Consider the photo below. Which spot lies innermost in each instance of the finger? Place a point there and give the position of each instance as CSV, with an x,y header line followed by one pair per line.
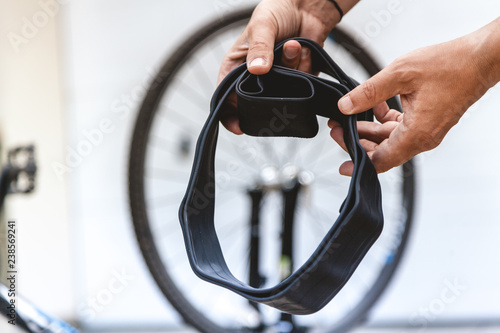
x,y
305,61
232,124
331,123
337,134
234,57
312,32
384,159
376,132
346,168
384,85
291,54
396,150
387,157
229,116
262,31
368,145
390,153
383,113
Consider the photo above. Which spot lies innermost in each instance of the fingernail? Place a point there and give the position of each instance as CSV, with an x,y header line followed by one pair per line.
x,y
291,52
345,104
257,62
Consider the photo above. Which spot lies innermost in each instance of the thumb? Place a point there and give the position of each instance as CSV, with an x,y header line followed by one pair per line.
x,y
378,89
261,37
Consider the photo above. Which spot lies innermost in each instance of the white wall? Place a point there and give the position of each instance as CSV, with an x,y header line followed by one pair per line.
x,y
109,49
31,111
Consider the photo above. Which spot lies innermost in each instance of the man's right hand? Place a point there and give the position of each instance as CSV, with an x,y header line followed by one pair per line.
x,y
436,84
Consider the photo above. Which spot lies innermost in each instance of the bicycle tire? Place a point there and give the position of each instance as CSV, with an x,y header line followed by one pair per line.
x,y
137,191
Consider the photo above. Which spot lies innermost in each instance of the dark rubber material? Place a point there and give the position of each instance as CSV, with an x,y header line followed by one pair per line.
x,y
285,102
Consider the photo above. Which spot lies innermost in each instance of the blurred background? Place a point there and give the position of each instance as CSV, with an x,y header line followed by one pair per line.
x,y
69,68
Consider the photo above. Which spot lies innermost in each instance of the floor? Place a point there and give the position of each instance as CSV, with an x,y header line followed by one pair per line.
x,y
408,330
495,329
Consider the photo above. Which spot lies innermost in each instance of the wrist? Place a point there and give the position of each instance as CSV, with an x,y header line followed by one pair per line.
x,y
339,9
322,10
486,52
325,10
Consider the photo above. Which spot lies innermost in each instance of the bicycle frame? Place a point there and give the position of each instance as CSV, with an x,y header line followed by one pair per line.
x,y
290,190
21,312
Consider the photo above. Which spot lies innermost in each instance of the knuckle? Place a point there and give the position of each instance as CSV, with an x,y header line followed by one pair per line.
x,y
258,44
399,64
369,90
430,141
425,140
405,70
381,168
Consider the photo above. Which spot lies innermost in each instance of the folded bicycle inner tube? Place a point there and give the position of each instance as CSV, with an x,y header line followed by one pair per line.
x,y
295,99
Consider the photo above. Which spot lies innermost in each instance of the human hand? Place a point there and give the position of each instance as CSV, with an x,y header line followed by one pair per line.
x,y
271,22
437,84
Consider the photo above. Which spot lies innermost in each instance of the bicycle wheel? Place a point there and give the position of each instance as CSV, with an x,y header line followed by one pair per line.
x,y
161,155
